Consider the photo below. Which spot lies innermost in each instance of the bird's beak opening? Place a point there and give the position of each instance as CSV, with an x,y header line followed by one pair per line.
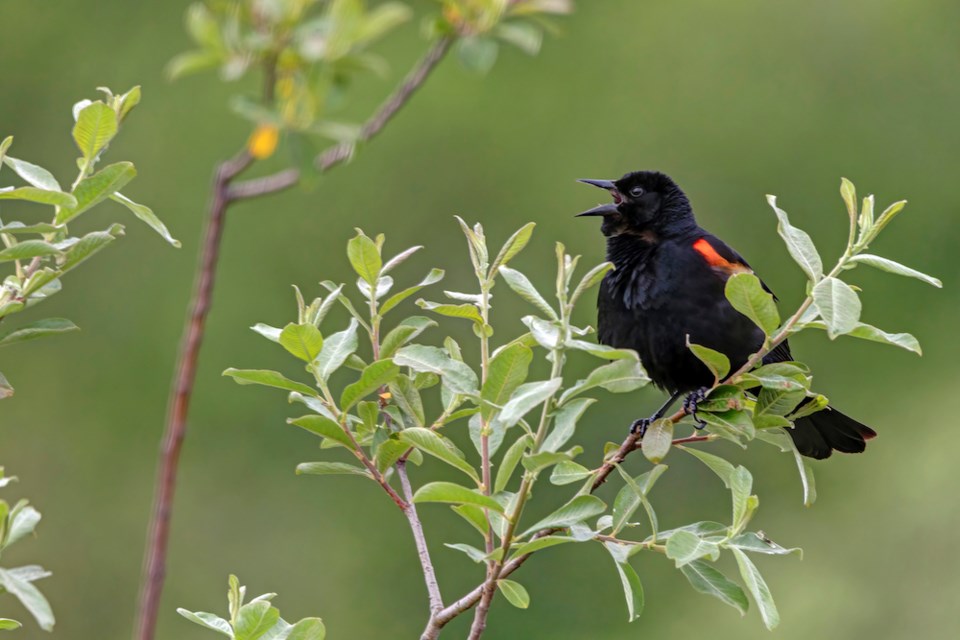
x,y
603,209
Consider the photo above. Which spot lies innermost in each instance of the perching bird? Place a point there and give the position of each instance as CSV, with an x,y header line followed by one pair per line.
x,y
669,284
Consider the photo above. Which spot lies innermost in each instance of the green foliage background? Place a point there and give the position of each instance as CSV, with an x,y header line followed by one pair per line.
x,y
734,100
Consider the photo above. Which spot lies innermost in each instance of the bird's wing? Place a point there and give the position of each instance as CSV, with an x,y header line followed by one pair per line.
x,y
724,258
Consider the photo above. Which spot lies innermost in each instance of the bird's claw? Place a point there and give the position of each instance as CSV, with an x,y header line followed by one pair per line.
x,y
690,407
640,426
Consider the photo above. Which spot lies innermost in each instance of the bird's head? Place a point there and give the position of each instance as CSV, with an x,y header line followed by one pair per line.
x,y
644,203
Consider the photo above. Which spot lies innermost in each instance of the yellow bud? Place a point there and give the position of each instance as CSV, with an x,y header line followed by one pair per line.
x,y
263,141
386,396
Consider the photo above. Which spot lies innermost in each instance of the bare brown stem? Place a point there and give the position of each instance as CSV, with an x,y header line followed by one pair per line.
x,y
154,567
225,191
429,575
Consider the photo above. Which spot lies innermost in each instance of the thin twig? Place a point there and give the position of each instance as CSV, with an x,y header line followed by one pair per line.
x,y
429,575
154,567
287,178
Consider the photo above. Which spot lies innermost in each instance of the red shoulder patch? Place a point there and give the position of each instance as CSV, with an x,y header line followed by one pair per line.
x,y
715,260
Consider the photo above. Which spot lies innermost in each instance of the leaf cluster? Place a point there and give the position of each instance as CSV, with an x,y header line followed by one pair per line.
x,y
17,522
40,253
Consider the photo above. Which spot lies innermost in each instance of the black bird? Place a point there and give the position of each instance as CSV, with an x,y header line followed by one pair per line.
x,y
669,284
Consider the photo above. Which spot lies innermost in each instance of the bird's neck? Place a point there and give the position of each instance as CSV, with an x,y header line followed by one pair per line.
x,y
629,250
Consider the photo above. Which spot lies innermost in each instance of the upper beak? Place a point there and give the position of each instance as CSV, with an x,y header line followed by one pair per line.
x,y
603,209
603,184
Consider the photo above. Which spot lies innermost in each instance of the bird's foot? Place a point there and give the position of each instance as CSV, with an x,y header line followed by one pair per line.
x,y
640,426
690,406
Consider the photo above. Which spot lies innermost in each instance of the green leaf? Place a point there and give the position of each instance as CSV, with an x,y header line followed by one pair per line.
x,y
747,296
455,375
435,275
6,390
758,589
382,19
465,311
34,174
706,579
128,101
591,278
471,552
477,54
335,351
22,520
146,214
41,196
575,511
895,267
546,334
322,426
95,127
407,330
473,515
565,423
525,36
38,329
567,472
724,470
522,286
456,494
544,542
507,371
512,247
741,483
28,249
90,244
776,402
331,468
619,376
510,460
365,258
208,620
307,629
191,62
268,378
303,341
632,495
716,362
536,462
514,592
254,619
525,398
374,376
407,397
799,244
94,189
31,598
19,227
684,547
438,447
838,305
6,624
868,332
632,588
657,440
849,194
886,218
755,543
731,425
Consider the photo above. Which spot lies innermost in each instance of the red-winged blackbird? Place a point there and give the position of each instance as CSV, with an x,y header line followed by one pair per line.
x,y
669,284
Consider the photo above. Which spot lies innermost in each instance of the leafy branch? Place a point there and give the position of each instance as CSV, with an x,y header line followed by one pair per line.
x,y
307,52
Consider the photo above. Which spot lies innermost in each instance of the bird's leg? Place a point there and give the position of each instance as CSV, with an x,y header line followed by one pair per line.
x,y
640,426
690,406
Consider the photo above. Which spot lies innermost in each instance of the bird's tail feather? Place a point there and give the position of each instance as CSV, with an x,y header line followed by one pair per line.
x,y
821,433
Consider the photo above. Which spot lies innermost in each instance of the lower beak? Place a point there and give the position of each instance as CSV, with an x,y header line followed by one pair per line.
x,y
601,210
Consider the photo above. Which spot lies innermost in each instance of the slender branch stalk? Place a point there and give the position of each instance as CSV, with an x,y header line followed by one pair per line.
x,y
429,575
225,192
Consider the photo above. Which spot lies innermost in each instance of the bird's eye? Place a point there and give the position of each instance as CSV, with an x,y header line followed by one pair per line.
x,y
636,192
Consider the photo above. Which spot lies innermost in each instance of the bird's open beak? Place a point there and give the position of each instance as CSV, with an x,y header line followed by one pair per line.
x,y
603,209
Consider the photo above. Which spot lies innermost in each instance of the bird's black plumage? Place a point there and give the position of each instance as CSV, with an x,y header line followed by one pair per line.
x,y
669,284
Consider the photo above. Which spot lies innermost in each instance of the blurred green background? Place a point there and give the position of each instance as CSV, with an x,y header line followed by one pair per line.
x,y
734,99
